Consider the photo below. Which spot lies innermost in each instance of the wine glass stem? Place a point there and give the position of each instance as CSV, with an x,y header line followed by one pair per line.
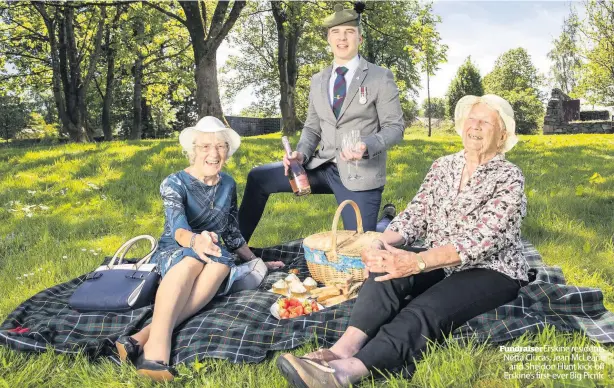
x,y
349,170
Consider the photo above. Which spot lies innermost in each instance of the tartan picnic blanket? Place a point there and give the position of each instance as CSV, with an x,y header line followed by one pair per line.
x,y
240,328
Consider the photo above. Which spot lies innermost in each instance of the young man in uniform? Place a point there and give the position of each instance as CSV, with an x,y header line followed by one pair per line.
x,y
351,94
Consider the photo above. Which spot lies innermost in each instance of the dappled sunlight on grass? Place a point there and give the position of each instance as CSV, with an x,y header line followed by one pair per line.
x,y
65,207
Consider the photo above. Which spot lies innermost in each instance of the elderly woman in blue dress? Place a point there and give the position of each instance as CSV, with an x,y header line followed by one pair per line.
x,y
468,211
200,204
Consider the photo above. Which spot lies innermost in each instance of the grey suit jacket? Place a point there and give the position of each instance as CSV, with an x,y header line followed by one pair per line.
x,y
380,122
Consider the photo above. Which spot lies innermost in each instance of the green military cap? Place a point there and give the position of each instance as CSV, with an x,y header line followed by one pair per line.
x,y
342,17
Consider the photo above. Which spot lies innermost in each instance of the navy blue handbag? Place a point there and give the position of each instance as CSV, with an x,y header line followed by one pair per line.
x,y
117,286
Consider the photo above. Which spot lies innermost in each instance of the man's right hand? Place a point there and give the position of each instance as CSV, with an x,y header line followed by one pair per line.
x,y
298,156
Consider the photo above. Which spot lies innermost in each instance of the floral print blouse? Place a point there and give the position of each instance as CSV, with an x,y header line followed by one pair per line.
x,y
482,221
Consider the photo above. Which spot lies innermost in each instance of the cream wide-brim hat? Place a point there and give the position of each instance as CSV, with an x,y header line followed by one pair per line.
x,y
464,105
210,124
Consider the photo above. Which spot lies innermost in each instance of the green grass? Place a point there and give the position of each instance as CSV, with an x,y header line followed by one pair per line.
x,y
62,208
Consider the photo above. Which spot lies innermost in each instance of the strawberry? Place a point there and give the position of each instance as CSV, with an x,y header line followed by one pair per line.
x,y
314,306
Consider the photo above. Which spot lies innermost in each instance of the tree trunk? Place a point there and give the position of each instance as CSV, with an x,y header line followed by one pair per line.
x,y
207,90
136,132
287,42
84,83
292,69
146,124
5,125
137,115
428,96
71,76
428,93
368,49
58,67
206,39
89,131
108,95
66,71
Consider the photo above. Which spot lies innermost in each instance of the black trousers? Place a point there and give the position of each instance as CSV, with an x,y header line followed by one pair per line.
x,y
265,180
399,331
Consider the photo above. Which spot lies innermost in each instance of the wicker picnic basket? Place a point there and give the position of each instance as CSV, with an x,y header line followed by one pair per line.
x,y
334,256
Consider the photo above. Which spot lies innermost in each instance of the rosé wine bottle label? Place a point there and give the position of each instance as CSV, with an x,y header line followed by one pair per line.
x,y
302,180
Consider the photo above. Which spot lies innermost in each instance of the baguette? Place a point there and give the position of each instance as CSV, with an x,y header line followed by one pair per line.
x,y
334,300
318,291
325,296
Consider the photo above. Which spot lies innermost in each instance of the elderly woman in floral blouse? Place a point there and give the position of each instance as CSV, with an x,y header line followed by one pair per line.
x,y
468,211
200,204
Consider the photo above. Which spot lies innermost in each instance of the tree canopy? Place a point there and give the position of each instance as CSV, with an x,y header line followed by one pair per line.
x,y
596,82
515,78
466,82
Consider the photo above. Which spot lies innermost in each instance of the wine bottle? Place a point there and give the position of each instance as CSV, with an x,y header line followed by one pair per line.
x,y
296,173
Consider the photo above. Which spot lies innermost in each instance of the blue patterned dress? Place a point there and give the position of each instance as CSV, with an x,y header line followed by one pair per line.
x,y
192,205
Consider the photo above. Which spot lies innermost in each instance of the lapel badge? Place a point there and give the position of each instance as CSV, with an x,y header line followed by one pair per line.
x,y
363,95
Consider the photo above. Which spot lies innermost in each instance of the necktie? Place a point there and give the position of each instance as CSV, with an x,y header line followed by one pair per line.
x,y
339,90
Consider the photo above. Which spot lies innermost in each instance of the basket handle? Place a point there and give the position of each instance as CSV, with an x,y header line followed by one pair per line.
x,y
336,222
120,254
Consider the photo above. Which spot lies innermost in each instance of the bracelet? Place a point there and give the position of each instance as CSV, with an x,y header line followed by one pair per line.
x,y
192,240
252,257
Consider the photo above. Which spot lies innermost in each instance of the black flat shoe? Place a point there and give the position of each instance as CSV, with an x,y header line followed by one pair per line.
x,y
155,370
389,210
128,348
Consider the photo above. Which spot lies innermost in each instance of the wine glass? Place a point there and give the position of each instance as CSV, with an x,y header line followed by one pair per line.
x,y
346,145
351,142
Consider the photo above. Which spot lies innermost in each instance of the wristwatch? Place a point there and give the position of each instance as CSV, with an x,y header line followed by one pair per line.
x,y
421,263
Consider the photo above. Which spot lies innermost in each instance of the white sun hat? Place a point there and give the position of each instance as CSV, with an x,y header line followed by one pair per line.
x,y
210,124
464,105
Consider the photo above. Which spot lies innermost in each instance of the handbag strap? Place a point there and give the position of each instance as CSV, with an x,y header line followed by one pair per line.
x,y
120,254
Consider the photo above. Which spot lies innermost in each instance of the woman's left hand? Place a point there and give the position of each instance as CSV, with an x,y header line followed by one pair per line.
x,y
274,264
398,264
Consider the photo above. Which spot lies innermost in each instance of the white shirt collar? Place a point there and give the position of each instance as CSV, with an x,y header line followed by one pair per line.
x,y
352,65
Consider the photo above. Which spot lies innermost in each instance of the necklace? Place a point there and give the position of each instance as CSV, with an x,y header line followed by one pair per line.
x,y
215,191
219,179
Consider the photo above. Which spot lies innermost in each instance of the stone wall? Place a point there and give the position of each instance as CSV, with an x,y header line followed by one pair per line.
x,y
591,115
251,126
560,108
587,127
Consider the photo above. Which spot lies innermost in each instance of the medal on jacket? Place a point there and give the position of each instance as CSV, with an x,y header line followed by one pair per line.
x,y
363,95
